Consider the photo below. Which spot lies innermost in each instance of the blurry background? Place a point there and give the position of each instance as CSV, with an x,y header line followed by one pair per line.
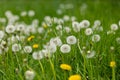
x,y
105,10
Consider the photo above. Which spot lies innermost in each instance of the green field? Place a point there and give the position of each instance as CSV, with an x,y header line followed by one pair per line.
x,y
90,57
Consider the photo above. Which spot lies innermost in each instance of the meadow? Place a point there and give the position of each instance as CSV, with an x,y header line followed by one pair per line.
x,y
59,40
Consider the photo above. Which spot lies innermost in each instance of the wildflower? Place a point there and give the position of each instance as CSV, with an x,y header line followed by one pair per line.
x,y
85,23
29,75
73,18
40,30
90,54
112,64
114,27
97,22
65,48
16,47
20,27
65,67
71,40
1,34
35,45
37,55
30,38
28,49
75,77
31,13
45,25
96,38
10,29
1,51
57,41
75,26
88,31
66,18
59,27
67,29
23,13
52,48
118,40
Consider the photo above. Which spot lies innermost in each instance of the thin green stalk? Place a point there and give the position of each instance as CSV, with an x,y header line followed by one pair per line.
x,y
43,72
53,69
113,73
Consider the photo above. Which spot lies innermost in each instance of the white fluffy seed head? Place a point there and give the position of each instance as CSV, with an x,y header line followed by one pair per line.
x,y
27,49
57,41
71,40
16,47
41,30
96,38
90,54
31,13
67,29
85,23
75,26
29,75
37,55
10,29
118,40
52,48
20,28
97,22
1,34
88,31
23,13
114,27
65,48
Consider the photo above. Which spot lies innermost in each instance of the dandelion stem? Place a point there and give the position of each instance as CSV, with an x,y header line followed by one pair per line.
x,y
113,73
52,66
42,69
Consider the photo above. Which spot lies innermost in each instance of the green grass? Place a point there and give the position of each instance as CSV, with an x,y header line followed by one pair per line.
x,y
96,68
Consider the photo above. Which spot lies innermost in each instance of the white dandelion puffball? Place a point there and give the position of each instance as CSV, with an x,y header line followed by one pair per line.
x,y
65,48
59,27
67,29
29,75
97,22
71,40
96,38
23,13
114,27
37,55
66,18
1,34
90,54
52,48
16,47
27,49
75,26
1,51
57,41
73,18
85,23
119,23
118,40
88,31
41,30
10,29
31,13
20,27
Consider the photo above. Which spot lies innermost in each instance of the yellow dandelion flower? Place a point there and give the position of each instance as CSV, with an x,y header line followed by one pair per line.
x,y
112,64
35,46
65,67
30,38
45,26
75,77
